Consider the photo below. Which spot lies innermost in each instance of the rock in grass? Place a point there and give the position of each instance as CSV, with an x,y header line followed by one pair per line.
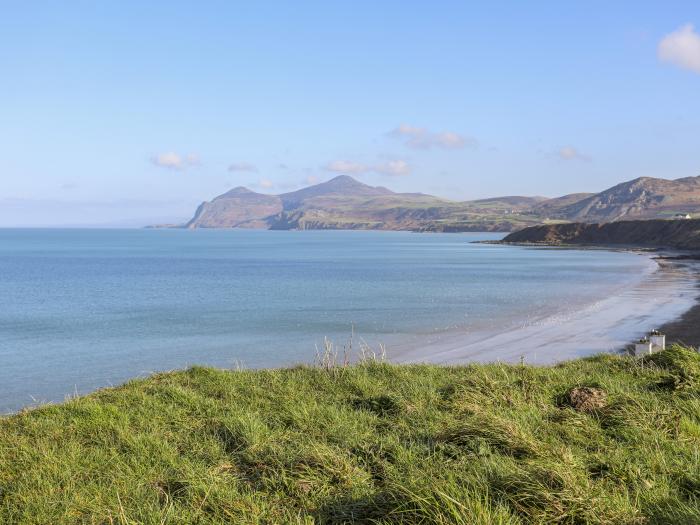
x,y
586,398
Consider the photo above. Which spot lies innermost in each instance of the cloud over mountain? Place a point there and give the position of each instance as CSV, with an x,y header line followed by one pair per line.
x,y
174,161
571,153
265,184
421,138
243,166
346,166
392,168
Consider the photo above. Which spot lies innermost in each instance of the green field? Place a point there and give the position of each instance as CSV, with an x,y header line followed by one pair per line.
x,y
368,443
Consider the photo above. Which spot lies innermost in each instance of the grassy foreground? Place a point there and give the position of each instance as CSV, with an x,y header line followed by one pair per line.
x,y
369,443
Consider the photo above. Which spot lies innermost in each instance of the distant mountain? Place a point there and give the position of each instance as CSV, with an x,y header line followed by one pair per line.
x,y
514,201
553,207
642,198
238,208
345,203
342,186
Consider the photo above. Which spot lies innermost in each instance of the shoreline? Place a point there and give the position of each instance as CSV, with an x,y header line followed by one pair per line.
x,y
668,298
685,329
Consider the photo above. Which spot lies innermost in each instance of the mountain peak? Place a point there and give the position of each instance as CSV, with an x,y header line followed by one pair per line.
x,y
344,182
343,185
344,178
235,192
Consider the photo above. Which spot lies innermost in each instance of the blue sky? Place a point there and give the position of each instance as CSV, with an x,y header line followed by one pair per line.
x,y
129,113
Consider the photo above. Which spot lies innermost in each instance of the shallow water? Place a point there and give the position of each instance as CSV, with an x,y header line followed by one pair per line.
x,y
609,324
83,309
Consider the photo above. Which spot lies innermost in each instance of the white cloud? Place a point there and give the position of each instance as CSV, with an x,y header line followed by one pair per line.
x,y
681,48
451,140
571,153
243,166
174,161
311,179
421,138
346,166
394,168
265,184
417,138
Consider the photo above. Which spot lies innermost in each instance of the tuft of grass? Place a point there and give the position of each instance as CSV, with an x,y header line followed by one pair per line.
x,y
681,365
366,443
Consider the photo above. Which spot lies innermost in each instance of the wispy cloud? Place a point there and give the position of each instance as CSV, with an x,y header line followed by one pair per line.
x,y
571,153
264,184
421,138
243,166
347,167
174,161
681,48
394,168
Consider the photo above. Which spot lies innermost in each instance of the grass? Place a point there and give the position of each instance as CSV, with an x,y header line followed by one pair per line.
x,y
367,443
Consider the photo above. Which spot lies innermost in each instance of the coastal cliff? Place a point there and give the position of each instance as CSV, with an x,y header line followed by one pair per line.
x,y
681,234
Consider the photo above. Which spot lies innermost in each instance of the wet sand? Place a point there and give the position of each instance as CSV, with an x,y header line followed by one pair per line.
x,y
666,299
686,329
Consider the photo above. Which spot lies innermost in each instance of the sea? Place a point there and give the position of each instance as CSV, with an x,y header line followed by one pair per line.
x,y
82,309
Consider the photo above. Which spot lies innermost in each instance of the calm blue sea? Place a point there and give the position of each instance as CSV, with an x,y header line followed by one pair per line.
x,y
81,309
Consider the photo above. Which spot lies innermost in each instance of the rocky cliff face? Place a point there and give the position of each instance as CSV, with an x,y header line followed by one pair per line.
x,y
679,234
238,208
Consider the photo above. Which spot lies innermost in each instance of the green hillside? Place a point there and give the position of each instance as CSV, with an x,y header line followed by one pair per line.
x,y
369,443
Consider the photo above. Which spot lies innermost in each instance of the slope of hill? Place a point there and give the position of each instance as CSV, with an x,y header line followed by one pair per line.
x,y
680,234
607,440
553,207
515,201
238,208
642,198
341,187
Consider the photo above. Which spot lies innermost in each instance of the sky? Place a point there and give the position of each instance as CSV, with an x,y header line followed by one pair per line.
x,y
127,113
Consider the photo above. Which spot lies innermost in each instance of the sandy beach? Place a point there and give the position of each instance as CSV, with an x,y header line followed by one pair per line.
x,y
667,298
685,329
